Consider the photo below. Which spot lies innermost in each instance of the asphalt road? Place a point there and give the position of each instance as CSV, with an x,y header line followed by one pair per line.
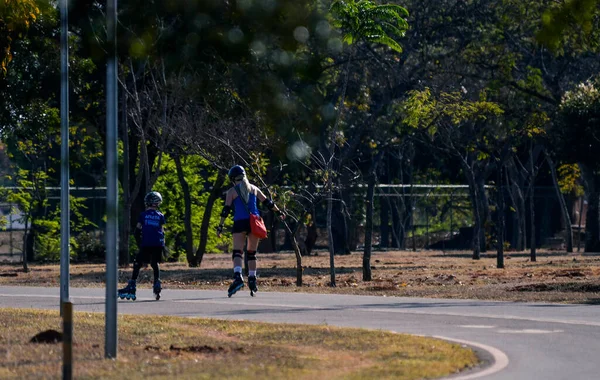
x,y
517,340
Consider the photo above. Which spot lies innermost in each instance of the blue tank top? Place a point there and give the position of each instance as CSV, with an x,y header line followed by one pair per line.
x,y
152,234
240,211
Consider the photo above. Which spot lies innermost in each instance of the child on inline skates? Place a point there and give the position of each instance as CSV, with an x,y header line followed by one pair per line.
x,y
150,237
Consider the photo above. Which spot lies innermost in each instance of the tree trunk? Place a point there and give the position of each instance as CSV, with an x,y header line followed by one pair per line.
x,y
396,223
579,224
532,238
476,212
125,184
500,227
484,212
215,194
592,223
384,222
516,198
339,231
187,216
311,234
25,238
330,233
563,205
297,251
369,215
369,229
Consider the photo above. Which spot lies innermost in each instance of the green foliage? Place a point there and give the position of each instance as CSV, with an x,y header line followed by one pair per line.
x,y
569,178
577,133
424,111
15,18
365,20
31,198
200,175
559,21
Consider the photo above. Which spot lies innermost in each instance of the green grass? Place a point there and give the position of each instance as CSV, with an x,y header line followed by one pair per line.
x,y
193,348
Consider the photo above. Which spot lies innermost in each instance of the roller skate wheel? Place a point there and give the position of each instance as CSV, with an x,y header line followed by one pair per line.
x,y
133,298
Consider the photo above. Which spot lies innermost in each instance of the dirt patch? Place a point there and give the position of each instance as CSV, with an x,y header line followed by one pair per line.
x,y
563,287
48,336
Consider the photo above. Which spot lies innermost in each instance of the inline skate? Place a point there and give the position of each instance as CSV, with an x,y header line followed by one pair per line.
x,y
128,292
237,284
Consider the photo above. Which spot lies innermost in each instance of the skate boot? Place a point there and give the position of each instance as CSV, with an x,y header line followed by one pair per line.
x,y
128,291
252,285
157,288
237,284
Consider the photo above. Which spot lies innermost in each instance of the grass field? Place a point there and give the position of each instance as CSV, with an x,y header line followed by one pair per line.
x,y
193,348
555,277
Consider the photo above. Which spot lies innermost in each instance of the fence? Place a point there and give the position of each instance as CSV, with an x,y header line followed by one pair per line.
x,y
440,217
13,220
405,217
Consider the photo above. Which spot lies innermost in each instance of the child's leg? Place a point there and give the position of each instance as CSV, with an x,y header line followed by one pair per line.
x,y
155,260
137,263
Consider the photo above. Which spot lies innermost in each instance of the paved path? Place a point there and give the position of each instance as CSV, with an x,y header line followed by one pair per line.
x,y
520,340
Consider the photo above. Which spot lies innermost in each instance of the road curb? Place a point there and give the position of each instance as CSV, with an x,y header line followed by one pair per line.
x,y
493,360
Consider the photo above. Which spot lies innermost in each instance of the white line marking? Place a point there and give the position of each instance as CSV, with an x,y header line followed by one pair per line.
x,y
500,359
478,326
528,331
507,317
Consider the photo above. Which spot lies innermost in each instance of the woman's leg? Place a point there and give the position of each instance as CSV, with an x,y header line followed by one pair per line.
x,y
239,238
238,281
252,247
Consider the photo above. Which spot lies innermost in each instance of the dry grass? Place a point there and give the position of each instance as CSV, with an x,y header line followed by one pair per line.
x,y
191,348
555,277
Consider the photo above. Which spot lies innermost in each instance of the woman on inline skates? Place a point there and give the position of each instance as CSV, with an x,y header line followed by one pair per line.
x,y
243,196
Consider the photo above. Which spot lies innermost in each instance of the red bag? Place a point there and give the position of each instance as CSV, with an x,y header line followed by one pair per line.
x,y
257,226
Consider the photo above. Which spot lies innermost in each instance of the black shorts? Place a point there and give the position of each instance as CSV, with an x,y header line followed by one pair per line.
x,y
242,225
148,255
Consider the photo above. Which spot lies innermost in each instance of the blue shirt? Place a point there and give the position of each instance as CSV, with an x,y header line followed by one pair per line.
x,y
240,211
152,233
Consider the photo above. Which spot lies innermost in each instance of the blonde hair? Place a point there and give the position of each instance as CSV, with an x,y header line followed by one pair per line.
x,y
245,188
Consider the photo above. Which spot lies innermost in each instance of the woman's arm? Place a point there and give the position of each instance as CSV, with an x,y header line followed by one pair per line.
x,y
225,212
268,203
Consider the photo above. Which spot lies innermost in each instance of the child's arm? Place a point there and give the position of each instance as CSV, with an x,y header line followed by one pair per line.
x,y
137,234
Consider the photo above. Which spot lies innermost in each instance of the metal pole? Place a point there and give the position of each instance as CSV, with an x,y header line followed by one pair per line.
x,y
64,156
67,307
10,226
110,349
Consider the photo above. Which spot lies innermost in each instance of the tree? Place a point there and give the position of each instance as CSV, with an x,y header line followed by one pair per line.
x,y
462,129
359,21
15,18
578,140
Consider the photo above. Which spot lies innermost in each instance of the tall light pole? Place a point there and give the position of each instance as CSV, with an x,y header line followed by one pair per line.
x,y
64,154
66,307
110,348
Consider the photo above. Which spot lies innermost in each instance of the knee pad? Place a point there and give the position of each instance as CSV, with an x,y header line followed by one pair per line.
x,y
251,256
237,253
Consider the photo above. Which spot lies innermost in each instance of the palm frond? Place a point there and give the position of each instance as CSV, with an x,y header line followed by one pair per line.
x,y
401,11
387,41
394,29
